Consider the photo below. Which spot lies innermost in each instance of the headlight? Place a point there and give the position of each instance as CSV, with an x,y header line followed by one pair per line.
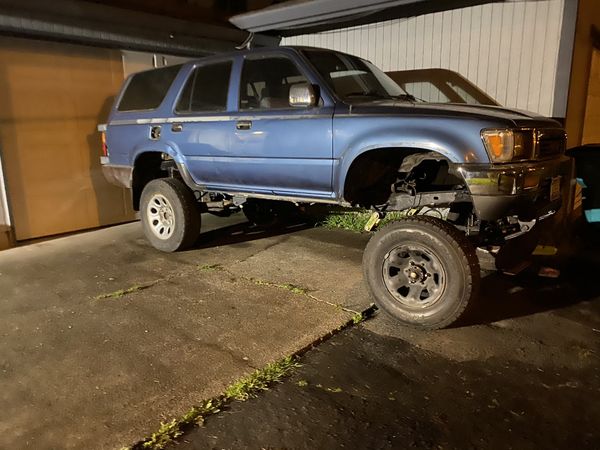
x,y
509,145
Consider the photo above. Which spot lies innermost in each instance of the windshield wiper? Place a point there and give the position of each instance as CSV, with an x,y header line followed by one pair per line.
x,y
366,94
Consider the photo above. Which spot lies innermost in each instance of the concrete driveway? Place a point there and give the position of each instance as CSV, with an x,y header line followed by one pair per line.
x,y
103,337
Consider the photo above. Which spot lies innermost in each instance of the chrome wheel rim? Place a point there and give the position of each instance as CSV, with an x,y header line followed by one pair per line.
x,y
161,217
414,276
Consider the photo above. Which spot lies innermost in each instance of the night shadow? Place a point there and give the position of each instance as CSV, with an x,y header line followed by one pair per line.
x,y
246,232
506,297
105,200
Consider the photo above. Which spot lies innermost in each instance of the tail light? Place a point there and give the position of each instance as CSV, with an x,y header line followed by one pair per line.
x,y
104,146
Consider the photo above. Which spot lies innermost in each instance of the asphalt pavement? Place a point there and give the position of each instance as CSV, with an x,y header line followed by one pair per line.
x,y
525,375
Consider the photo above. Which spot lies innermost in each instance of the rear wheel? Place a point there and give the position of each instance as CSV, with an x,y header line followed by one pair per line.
x,y
422,271
170,216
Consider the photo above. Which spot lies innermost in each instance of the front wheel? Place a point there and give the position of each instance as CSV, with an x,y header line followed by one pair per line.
x,y
422,271
170,216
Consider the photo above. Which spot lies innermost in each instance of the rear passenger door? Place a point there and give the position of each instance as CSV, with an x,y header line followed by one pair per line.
x,y
276,148
201,126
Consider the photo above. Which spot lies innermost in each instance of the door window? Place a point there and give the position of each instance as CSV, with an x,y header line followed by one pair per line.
x,y
206,89
266,83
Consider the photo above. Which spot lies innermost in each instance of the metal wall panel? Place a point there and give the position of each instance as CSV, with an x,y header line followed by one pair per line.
x,y
53,96
510,49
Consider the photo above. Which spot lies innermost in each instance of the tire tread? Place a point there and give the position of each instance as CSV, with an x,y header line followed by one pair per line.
x,y
189,210
467,254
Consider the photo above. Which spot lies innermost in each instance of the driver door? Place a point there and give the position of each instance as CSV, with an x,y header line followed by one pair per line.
x,y
276,148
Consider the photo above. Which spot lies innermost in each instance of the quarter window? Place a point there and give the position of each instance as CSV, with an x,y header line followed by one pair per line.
x,y
146,90
266,83
206,89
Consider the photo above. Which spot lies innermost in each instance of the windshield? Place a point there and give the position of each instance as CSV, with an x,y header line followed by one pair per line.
x,y
351,77
440,86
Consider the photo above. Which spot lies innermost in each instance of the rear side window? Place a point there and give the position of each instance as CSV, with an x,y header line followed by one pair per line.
x,y
206,89
146,90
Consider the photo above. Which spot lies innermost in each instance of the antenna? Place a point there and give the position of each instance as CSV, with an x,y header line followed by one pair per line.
x,y
247,44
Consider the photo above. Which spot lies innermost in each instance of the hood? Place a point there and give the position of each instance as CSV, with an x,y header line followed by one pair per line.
x,y
509,117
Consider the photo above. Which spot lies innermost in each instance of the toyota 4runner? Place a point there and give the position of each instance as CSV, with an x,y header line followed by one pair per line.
x,y
267,130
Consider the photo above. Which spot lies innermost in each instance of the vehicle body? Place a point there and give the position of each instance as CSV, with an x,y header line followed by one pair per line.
x,y
437,85
306,125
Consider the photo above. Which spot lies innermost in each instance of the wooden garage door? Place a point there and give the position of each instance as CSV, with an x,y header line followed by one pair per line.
x,y
52,96
591,126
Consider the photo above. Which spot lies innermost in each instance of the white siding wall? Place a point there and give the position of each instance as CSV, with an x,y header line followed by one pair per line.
x,y
4,216
510,50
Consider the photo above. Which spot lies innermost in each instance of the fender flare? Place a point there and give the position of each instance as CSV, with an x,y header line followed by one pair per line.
x,y
157,147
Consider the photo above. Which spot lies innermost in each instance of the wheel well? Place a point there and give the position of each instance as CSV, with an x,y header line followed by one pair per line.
x,y
148,166
374,175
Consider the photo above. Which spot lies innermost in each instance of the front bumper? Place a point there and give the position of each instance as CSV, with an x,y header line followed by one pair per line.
x,y
520,189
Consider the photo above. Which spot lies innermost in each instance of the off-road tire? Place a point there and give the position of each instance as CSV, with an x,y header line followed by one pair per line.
x,y
185,213
451,250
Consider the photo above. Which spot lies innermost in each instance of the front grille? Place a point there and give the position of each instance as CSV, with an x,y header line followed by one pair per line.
x,y
550,142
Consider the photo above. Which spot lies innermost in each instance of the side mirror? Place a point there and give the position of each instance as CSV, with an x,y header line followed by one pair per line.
x,y
302,95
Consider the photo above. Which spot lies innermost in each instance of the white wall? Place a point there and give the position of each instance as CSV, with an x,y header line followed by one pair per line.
x,y
510,50
4,215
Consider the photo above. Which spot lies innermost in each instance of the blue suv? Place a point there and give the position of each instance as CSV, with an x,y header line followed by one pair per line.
x,y
268,130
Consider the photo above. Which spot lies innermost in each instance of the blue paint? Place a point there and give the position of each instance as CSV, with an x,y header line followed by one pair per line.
x,y
299,152
592,215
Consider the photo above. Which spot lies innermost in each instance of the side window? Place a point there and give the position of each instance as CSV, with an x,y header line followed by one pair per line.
x,y
206,89
266,83
146,90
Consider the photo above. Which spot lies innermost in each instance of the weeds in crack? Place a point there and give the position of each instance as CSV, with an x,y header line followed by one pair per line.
x,y
287,286
260,380
169,431
211,267
245,388
358,318
122,292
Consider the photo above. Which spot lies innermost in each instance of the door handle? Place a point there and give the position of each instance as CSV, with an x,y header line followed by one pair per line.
x,y
176,127
243,124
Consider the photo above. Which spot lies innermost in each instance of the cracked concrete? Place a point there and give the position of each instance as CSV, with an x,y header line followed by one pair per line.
x,y
80,371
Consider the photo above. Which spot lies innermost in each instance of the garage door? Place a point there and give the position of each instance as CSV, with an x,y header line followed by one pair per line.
x,y
591,126
52,96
